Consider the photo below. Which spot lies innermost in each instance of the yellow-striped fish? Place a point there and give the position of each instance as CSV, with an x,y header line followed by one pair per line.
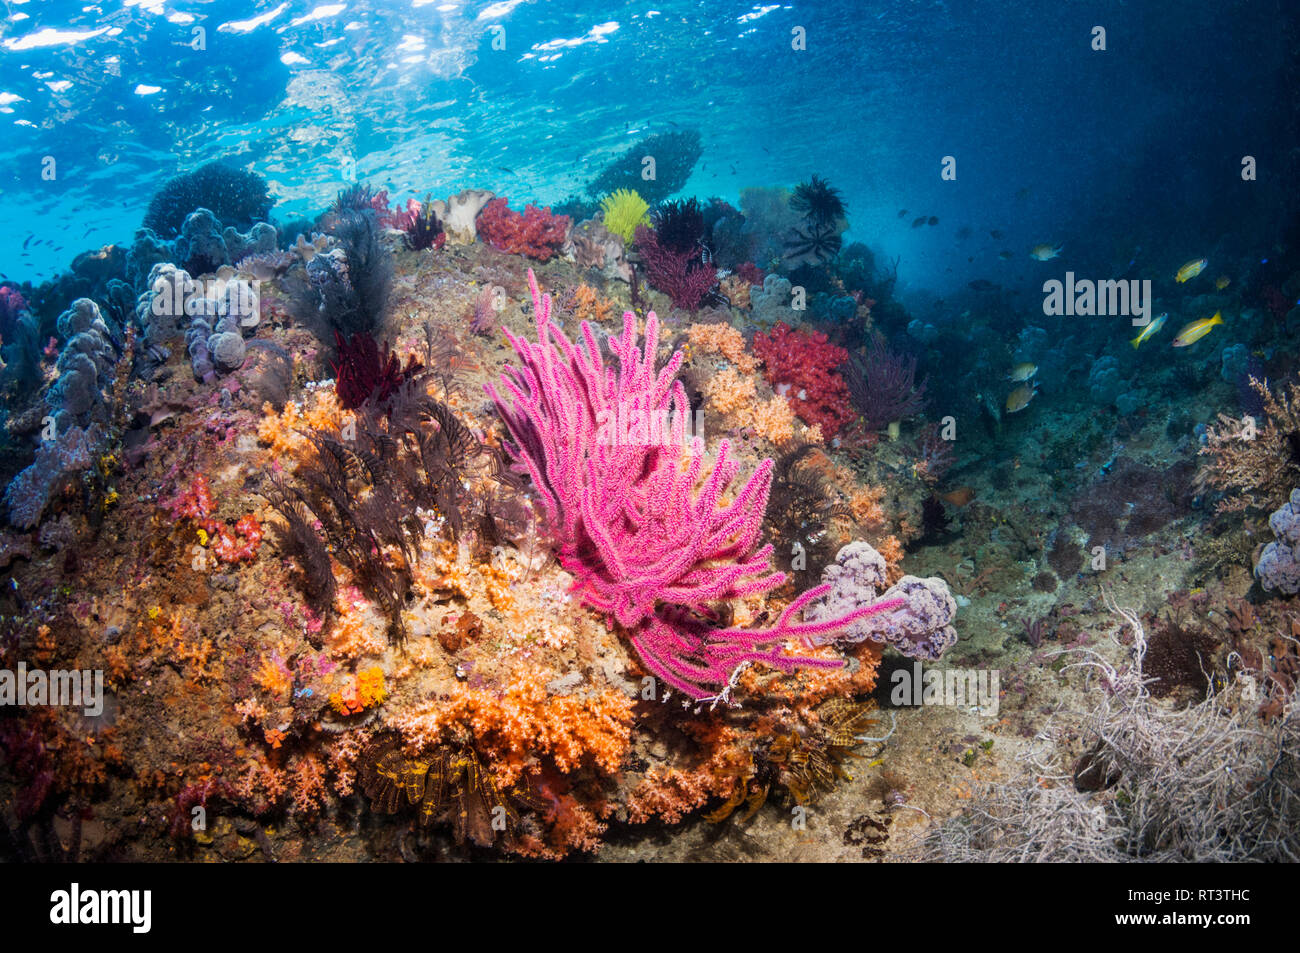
x,y
1022,372
1197,330
1151,330
1045,252
1019,398
1191,270
1222,282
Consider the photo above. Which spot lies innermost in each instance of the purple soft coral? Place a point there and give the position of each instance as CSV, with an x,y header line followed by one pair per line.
x,y
617,477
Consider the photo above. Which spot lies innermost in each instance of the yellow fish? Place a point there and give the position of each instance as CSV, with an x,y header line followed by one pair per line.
x,y
1019,398
1191,270
1045,252
1151,330
1197,330
1222,282
1022,372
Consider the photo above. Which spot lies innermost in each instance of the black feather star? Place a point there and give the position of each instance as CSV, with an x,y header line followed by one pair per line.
x,y
822,242
818,201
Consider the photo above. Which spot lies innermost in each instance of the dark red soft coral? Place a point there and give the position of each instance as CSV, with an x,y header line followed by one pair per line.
x,y
802,365
536,233
362,374
682,276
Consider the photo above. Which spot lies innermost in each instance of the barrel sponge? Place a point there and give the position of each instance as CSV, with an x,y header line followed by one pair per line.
x,y
922,628
1278,569
29,492
771,303
227,350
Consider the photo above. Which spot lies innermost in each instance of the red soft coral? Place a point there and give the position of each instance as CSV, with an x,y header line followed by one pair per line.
x,y
536,233
802,366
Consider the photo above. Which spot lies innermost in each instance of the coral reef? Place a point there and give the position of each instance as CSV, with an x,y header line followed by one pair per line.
x,y
688,550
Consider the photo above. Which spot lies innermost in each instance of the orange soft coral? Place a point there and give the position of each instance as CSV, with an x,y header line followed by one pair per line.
x,y
274,677
729,391
671,793
892,550
361,691
865,504
724,340
736,290
734,395
319,411
523,719
589,306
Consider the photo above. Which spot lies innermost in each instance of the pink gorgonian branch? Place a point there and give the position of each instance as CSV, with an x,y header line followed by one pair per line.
x,y
648,535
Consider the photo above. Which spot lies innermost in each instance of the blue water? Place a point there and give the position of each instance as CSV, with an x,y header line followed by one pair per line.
x,y
1130,152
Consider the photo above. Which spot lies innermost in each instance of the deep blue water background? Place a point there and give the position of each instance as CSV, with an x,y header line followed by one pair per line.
x,y
1134,151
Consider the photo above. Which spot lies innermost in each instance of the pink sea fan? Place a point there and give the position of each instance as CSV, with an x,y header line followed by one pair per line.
x,y
638,522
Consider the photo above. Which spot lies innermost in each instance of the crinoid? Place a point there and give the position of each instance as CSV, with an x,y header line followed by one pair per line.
x,y
355,198
801,515
449,784
679,225
803,763
364,372
372,490
818,202
424,231
820,241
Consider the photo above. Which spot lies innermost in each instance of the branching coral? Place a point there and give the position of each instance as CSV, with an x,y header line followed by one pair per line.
x,y
1255,464
638,523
